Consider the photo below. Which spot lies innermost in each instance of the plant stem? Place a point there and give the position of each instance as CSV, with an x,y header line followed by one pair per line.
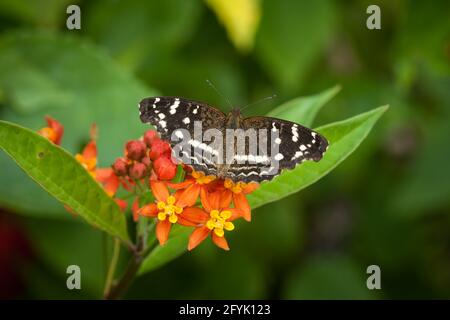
x,y
112,267
139,253
118,290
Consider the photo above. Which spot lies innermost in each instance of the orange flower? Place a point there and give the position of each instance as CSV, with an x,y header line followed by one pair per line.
x,y
237,192
88,158
214,220
108,179
194,185
53,132
167,209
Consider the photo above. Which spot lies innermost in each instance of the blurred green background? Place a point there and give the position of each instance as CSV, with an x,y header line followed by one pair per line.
x,y
388,204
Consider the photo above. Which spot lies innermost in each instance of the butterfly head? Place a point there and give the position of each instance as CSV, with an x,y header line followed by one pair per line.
x,y
234,118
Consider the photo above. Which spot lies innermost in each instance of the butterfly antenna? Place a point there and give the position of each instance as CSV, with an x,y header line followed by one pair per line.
x,y
259,101
220,94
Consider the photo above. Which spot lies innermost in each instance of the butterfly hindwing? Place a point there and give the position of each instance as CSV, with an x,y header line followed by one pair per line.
x,y
295,144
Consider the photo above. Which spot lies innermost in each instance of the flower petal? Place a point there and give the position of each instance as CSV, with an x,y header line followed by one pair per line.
x,y
150,210
197,236
235,213
250,187
240,202
135,209
57,127
185,222
90,151
102,174
159,190
121,203
180,185
214,198
221,242
162,231
189,196
195,215
108,178
204,199
225,198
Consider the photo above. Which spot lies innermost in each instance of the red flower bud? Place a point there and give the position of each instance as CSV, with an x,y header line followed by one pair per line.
x,y
135,149
150,136
159,148
146,161
164,168
120,167
137,171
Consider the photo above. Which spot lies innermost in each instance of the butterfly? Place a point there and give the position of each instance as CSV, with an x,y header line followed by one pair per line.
x,y
177,118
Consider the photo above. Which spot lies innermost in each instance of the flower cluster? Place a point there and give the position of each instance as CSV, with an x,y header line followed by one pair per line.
x,y
205,203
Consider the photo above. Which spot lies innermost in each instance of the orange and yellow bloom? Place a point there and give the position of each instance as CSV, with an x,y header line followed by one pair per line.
x,y
205,203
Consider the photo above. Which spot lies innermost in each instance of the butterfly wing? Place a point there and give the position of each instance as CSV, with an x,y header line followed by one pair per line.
x,y
169,114
295,144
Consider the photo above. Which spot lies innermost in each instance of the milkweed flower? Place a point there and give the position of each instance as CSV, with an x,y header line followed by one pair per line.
x,y
147,163
195,185
212,220
167,209
236,192
54,130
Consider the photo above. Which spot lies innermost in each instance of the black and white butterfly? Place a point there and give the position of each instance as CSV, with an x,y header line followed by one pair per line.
x,y
295,143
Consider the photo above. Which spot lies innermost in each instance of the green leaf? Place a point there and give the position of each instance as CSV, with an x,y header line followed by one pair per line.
x,y
344,137
292,36
174,247
135,31
303,110
328,277
76,83
56,171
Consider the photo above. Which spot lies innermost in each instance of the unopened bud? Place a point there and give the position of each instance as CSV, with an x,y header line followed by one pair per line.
x,y
137,171
135,149
164,168
120,167
149,137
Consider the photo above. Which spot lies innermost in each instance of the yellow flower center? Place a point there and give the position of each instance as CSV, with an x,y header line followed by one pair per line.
x,y
235,187
168,209
218,222
200,177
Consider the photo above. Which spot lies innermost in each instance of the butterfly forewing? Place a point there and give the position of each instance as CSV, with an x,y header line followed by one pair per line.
x,y
168,114
289,144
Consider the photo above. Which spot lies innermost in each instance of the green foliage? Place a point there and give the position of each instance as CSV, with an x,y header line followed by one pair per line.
x,y
316,279
134,31
287,61
173,248
344,137
304,109
56,171
388,203
43,73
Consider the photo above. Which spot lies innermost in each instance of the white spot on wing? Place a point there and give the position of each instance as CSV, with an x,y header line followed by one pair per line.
x,y
179,134
279,156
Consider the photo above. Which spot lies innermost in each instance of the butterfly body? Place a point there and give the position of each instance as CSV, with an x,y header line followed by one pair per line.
x,y
279,144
